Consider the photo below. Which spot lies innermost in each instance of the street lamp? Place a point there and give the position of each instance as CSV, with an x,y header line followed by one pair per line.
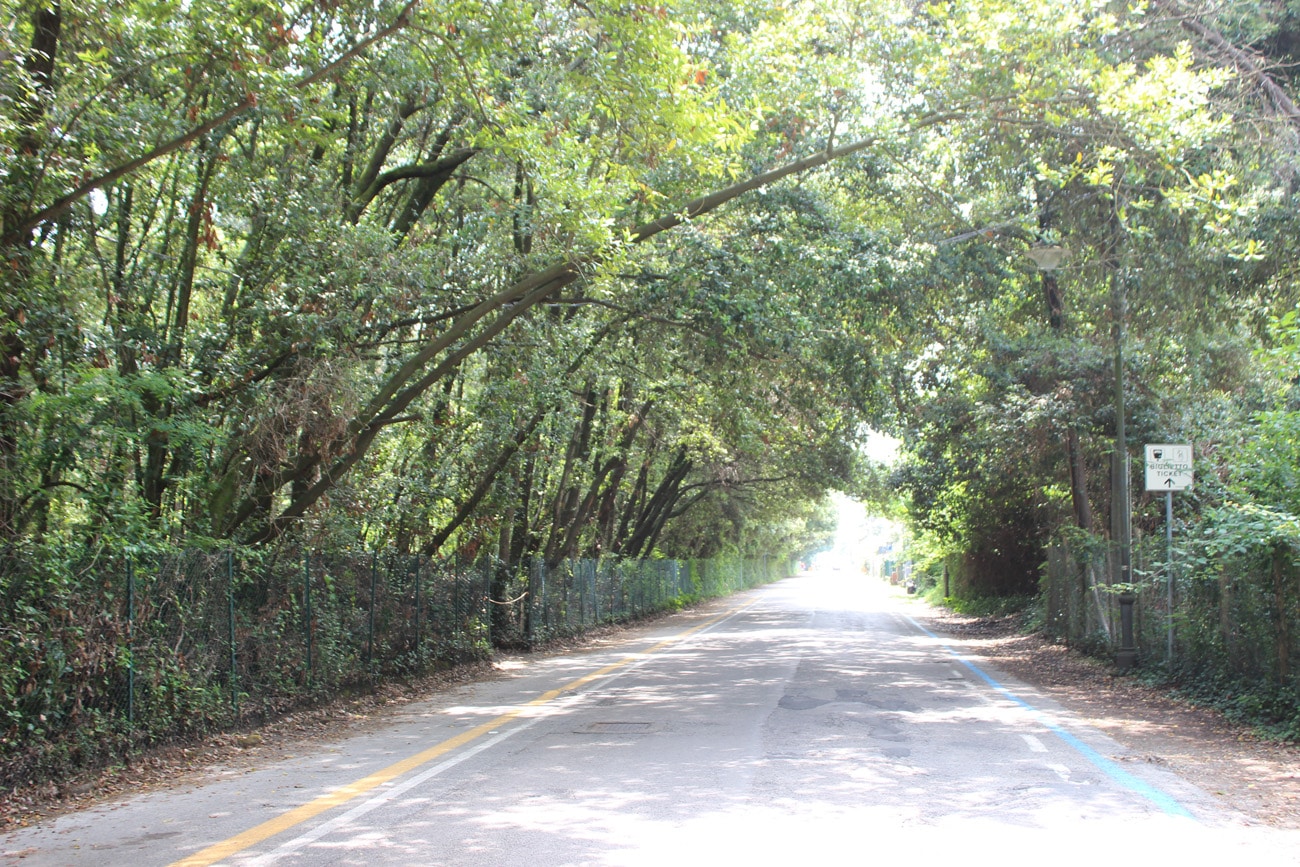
x,y
1121,532
1048,257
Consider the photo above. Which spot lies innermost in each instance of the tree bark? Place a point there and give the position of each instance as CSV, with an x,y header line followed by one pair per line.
x,y
466,509
598,491
564,503
659,508
16,245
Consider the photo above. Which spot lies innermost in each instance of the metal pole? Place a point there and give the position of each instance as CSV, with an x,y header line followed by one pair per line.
x,y
306,604
578,573
487,598
1169,575
455,592
541,592
567,593
370,641
130,641
530,603
417,606
230,620
1121,532
1121,518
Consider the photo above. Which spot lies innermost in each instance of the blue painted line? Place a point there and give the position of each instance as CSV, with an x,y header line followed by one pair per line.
x,y
1166,802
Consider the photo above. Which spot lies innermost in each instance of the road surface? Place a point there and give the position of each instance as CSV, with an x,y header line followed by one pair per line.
x,y
813,720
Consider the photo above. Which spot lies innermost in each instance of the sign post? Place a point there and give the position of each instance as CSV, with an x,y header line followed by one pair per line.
x,y
1169,469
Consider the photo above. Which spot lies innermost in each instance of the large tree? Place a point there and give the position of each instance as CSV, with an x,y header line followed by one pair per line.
x,y
269,266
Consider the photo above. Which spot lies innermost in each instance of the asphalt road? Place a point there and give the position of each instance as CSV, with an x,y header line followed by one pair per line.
x,y
812,721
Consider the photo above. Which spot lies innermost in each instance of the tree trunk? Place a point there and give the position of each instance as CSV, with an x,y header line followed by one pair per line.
x,y
565,502
1056,321
659,508
466,509
16,246
522,542
604,486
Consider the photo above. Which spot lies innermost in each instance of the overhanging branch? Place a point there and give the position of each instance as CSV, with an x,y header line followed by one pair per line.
x,y
24,227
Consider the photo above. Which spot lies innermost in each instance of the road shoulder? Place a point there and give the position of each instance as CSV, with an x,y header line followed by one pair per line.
x,y
1255,777
1258,778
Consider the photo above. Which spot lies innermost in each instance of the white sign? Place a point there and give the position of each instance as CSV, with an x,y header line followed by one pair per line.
x,y
1169,467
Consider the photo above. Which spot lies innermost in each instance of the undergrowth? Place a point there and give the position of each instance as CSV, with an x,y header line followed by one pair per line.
x,y
1270,710
982,606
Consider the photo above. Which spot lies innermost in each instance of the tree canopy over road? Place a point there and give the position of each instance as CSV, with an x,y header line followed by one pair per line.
x,y
576,279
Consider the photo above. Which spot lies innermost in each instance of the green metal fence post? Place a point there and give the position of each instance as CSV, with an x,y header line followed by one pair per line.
x,y
370,641
230,620
455,593
546,613
487,598
130,641
580,580
417,608
565,596
306,604
531,609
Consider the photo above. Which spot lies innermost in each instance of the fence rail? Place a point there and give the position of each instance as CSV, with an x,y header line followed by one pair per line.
x,y
99,657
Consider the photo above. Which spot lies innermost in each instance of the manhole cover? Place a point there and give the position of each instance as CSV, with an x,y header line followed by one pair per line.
x,y
619,727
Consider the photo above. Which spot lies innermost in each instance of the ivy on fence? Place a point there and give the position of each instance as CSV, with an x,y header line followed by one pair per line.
x,y
105,655
1235,613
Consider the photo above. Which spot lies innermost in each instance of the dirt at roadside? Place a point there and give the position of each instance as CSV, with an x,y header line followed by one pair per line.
x,y
1257,778
1254,776
177,764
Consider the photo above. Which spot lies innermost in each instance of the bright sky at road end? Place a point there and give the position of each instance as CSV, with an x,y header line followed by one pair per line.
x,y
881,448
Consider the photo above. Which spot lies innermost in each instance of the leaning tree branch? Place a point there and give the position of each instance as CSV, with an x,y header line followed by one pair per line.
x,y
59,206
411,380
1246,63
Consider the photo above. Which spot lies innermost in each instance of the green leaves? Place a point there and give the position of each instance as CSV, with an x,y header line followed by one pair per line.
x,y
278,286
1236,530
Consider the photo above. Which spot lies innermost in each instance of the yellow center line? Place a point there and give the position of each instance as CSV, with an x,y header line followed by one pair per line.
x,y
354,790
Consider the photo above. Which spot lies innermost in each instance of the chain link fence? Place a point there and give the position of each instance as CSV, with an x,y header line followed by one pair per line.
x,y
1233,619
584,593
101,656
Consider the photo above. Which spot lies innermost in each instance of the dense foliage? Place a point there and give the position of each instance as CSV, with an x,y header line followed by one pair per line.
x,y
539,280
358,271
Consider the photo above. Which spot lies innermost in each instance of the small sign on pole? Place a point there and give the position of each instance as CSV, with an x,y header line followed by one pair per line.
x,y
1168,467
